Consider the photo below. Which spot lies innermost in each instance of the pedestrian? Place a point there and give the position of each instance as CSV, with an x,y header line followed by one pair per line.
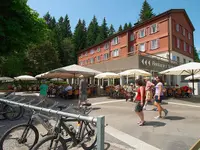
x,y
149,91
43,92
82,91
159,97
130,92
140,101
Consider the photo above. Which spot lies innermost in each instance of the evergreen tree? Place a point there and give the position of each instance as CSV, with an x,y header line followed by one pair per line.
x,y
125,26
66,27
196,57
47,17
93,31
79,37
53,23
129,25
103,32
146,12
111,30
120,28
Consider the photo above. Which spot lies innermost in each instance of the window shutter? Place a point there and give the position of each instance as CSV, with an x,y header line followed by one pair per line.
x,y
157,26
158,42
118,39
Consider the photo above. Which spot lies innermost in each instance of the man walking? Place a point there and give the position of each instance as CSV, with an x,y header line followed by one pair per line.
x,y
148,90
82,91
43,92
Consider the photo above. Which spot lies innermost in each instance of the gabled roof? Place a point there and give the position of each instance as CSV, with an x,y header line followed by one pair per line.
x,y
143,23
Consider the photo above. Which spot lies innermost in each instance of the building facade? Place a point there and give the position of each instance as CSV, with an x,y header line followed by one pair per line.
x,y
154,45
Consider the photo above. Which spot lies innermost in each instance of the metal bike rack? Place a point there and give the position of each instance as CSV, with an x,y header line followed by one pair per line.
x,y
100,121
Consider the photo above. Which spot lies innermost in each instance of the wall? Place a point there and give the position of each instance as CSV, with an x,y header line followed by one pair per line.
x,y
180,18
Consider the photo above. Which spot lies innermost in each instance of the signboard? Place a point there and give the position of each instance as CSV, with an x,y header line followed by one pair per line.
x,y
154,64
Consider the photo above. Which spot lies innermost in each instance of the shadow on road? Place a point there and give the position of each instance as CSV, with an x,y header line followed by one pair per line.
x,y
174,117
96,108
155,123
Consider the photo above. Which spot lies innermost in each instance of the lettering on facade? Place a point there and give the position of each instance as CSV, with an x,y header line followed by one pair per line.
x,y
153,64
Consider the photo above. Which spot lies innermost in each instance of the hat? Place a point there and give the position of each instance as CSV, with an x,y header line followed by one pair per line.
x,y
146,78
81,76
131,83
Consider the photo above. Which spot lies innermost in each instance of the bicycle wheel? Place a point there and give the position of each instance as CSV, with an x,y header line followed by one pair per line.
x,y
22,137
88,136
2,111
12,112
51,142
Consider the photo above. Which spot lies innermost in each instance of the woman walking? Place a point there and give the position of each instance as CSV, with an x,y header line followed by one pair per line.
x,y
159,97
140,101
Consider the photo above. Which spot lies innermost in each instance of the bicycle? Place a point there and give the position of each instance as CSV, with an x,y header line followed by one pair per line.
x,y
59,141
22,138
11,112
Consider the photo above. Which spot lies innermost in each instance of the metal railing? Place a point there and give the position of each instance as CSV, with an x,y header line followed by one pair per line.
x,y
100,120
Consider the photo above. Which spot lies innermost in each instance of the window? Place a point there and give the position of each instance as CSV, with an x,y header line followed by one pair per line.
x,y
98,49
106,56
178,43
85,53
142,47
185,46
184,31
154,44
115,40
178,59
91,51
142,33
106,46
184,60
91,60
174,58
115,53
153,28
177,27
132,37
132,49
189,36
98,58
190,49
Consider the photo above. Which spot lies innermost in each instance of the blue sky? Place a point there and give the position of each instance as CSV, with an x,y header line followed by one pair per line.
x,y
116,11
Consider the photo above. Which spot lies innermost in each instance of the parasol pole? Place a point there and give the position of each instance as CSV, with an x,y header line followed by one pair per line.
x,y
193,82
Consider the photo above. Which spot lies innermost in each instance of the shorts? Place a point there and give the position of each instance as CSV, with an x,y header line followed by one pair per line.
x,y
149,95
138,107
83,97
158,101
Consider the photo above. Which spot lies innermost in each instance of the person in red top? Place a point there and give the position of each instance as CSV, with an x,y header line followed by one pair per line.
x,y
140,98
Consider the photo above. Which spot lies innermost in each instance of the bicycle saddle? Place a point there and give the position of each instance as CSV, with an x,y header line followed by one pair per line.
x,y
87,104
61,107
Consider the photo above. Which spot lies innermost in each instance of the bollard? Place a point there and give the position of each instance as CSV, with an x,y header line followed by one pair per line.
x,y
100,132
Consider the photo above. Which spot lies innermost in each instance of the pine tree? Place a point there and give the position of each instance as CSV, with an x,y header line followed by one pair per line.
x,y
120,28
53,23
196,56
146,12
111,30
103,32
129,25
47,17
79,37
66,27
125,26
93,31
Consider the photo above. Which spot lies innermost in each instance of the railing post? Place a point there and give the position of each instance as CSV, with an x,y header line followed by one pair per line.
x,y
100,132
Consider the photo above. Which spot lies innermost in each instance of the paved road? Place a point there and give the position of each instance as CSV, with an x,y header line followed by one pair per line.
x,y
178,131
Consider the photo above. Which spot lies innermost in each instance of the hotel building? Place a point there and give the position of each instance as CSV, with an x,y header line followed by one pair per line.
x,y
157,44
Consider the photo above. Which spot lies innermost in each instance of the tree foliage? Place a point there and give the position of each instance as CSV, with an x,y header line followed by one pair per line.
x,y
120,28
103,32
111,30
146,12
93,31
196,56
42,57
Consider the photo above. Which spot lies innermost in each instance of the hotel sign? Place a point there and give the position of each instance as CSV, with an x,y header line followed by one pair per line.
x,y
154,64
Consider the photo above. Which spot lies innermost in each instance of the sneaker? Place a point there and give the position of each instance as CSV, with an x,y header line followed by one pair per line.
x,y
157,117
166,112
